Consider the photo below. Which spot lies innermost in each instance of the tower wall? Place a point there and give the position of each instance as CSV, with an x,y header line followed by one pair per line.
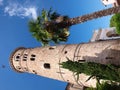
x,y
44,61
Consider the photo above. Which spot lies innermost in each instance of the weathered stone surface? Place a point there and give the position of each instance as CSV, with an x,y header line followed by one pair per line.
x,y
44,61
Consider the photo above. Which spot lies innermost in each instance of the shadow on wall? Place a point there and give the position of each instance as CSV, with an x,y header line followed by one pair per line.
x,y
107,56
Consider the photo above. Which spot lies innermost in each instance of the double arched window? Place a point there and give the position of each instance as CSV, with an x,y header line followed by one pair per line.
x,y
32,57
25,57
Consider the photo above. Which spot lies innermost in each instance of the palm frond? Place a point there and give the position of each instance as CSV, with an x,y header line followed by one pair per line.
x,y
45,34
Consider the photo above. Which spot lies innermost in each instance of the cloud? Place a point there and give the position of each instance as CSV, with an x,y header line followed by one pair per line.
x,y
1,2
31,11
15,9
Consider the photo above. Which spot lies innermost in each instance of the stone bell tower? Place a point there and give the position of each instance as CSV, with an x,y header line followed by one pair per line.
x,y
45,61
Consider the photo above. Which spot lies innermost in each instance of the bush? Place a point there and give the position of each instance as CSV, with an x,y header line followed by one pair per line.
x,y
105,86
115,22
100,71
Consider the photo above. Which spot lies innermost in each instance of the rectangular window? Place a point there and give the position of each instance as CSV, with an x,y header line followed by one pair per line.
x,y
47,65
33,55
17,60
24,59
32,59
81,61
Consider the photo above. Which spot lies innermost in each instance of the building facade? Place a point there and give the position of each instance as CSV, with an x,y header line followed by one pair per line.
x,y
45,61
111,2
105,34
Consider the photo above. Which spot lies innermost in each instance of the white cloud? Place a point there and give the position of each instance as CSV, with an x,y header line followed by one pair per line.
x,y
1,2
21,11
31,11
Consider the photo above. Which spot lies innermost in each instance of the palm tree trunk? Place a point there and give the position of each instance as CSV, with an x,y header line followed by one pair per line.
x,y
94,15
84,18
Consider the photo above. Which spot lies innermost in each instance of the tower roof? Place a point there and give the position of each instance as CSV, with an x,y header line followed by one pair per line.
x,y
11,59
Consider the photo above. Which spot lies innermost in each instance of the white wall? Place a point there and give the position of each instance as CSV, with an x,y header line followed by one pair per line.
x,y
102,35
107,2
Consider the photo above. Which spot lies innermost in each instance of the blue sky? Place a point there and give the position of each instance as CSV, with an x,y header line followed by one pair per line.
x,y
14,17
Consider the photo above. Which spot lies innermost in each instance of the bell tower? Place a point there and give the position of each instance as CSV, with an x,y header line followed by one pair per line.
x,y
45,61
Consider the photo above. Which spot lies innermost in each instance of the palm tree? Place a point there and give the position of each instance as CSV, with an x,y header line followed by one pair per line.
x,y
72,21
38,31
55,27
45,34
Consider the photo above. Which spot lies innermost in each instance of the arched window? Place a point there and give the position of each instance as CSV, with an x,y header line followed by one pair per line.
x,y
46,65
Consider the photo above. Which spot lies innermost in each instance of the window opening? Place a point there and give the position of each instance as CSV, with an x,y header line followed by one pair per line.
x,y
81,61
65,52
17,58
32,59
33,55
109,58
51,48
47,65
34,72
25,57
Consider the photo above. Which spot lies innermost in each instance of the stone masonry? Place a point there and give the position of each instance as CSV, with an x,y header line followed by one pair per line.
x,y
45,61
